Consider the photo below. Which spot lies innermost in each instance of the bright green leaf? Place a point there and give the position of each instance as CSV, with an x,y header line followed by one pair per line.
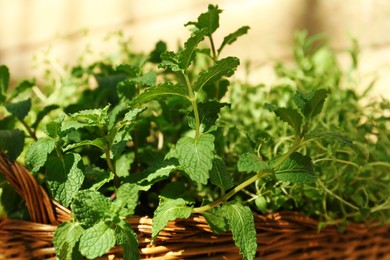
x,y
215,217
296,169
19,109
229,39
209,20
97,240
223,67
12,143
37,153
123,164
64,177
219,175
53,128
241,223
65,240
98,142
170,61
169,210
128,193
148,79
249,162
127,238
89,207
159,91
157,172
196,156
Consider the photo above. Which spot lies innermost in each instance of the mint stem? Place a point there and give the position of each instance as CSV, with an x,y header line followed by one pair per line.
x,y
192,98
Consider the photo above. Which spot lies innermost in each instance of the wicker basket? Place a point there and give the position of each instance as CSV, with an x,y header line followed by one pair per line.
x,y
284,235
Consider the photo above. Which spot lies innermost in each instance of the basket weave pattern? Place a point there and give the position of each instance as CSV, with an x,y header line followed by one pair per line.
x,y
284,235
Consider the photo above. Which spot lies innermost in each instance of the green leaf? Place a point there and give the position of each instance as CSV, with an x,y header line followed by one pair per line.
x,y
42,113
97,240
64,177
229,39
128,194
187,55
223,67
12,143
53,128
169,210
123,164
4,82
296,169
21,87
219,175
311,103
241,223
216,219
66,240
208,114
127,238
170,61
148,79
159,91
208,21
19,109
98,142
92,117
157,172
37,153
249,162
89,207
196,156
289,115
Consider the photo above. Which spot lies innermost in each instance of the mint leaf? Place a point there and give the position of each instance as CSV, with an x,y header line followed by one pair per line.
x,y
241,223
97,240
229,39
296,169
148,79
219,175
223,67
4,82
92,117
196,156
128,194
123,164
249,162
64,177
216,219
188,53
288,115
37,153
12,143
98,142
170,61
89,207
311,103
208,113
169,210
127,238
42,113
21,87
208,21
163,89
19,109
66,240
53,128
156,173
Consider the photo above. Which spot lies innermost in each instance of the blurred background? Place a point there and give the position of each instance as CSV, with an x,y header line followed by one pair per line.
x,y
65,29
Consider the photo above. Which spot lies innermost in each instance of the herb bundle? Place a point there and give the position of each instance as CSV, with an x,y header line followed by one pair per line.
x,y
172,134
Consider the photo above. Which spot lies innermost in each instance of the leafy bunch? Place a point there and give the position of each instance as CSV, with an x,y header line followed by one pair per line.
x,y
169,135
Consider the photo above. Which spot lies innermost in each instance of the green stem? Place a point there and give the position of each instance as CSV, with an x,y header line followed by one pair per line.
x,y
29,130
215,55
192,98
231,193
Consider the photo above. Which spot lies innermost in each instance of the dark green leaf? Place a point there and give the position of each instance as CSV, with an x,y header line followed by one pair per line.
x,y
157,172
4,82
208,21
170,61
223,67
155,55
219,175
19,109
66,240
53,128
128,193
187,55
296,169
229,39
21,87
12,143
42,113
97,240
98,142
288,115
90,207
64,177
169,210
196,156
159,91
216,219
37,153
241,223
311,103
250,163
208,114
